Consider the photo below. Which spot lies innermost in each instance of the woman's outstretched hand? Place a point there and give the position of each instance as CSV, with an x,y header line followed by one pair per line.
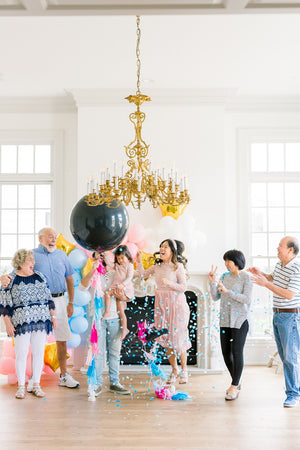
x,y
212,274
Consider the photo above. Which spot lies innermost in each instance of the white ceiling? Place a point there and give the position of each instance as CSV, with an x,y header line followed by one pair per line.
x,y
45,54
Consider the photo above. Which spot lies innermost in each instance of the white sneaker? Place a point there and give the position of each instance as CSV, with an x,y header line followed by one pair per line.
x,y
30,385
67,381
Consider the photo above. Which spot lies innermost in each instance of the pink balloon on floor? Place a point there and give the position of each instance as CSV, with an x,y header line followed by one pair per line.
x,y
7,365
12,378
8,348
47,370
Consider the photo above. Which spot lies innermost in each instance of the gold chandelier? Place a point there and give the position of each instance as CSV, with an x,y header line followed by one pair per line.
x,y
139,182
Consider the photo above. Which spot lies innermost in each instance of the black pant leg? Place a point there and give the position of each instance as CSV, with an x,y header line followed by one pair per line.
x,y
238,341
225,339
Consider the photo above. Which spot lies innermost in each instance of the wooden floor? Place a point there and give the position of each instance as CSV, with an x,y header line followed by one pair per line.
x,y
66,419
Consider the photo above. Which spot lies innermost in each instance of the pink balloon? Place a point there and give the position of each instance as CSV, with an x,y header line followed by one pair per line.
x,y
50,339
7,365
28,366
124,240
133,249
48,370
12,378
136,233
141,245
8,348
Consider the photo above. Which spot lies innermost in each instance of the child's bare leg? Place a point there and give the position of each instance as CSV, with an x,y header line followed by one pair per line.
x,y
107,298
121,306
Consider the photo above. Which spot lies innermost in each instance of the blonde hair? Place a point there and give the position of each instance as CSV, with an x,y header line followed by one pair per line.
x,y
20,258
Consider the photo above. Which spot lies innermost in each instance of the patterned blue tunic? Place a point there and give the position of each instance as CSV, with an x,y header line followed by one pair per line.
x,y
27,300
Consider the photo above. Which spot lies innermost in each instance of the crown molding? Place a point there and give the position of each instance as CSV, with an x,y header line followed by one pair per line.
x,y
56,104
116,97
264,103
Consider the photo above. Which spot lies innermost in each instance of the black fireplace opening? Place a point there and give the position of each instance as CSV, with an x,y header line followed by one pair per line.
x,y
142,308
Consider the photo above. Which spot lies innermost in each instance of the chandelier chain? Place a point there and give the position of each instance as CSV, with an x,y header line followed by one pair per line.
x,y
138,61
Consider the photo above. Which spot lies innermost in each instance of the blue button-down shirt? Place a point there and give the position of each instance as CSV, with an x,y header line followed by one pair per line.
x,y
55,266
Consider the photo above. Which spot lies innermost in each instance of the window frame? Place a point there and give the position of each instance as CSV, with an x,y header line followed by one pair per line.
x,y
54,178
245,138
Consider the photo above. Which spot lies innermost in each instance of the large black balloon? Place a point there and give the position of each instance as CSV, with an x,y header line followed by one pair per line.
x,y
98,227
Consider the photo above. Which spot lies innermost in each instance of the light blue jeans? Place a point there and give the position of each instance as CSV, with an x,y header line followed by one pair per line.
x,y
287,336
109,344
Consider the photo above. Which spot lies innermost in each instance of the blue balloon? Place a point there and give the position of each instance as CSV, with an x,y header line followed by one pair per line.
x,y
77,311
79,324
81,298
76,278
77,258
75,341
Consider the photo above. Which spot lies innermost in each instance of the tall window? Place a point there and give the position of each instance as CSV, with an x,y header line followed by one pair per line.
x,y
271,168
26,196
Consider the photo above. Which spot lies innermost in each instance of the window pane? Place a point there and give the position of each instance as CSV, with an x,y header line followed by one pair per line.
x,y
259,157
259,219
42,159
292,161
276,219
26,196
42,219
8,245
273,262
26,221
292,194
258,194
293,219
9,221
5,266
8,158
276,157
274,239
43,196
259,244
25,159
9,196
275,194
26,241
261,263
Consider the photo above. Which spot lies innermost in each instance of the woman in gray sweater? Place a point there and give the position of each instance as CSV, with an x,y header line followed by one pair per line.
x,y
234,289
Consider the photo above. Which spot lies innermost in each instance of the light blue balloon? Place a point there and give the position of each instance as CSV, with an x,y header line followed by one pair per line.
x,y
79,324
77,258
81,298
77,311
76,278
75,341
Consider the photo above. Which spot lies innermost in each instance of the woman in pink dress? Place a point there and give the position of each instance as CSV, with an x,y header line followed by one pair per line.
x,y
122,286
171,310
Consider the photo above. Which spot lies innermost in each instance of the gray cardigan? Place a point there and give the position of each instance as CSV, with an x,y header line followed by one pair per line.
x,y
235,305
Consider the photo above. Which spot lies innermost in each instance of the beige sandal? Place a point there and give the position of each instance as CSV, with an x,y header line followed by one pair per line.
x,y
183,379
20,392
172,378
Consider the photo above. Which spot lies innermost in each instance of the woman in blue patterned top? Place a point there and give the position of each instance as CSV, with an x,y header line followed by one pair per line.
x,y
28,311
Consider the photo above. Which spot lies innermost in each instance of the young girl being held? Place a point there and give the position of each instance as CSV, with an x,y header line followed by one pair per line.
x,y
122,286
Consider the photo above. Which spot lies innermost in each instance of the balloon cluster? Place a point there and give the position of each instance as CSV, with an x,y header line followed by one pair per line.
x,y
81,265
8,360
